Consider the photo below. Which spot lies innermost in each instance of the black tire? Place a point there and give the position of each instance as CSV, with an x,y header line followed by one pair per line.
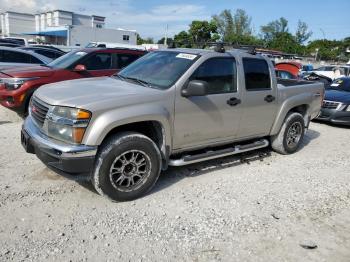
x,y
124,159
283,142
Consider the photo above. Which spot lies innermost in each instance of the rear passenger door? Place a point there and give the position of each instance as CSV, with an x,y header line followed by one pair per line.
x,y
259,100
123,60
99,64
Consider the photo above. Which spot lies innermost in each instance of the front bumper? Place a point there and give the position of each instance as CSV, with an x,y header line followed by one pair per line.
x,y
334,116
56,154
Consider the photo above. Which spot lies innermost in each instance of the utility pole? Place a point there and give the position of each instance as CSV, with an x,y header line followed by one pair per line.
x,y
324,35
166,35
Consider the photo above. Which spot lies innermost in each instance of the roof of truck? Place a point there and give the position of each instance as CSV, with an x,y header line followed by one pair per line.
x,y
204,51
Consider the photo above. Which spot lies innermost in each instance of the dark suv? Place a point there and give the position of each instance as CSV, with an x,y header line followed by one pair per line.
x,y
18,84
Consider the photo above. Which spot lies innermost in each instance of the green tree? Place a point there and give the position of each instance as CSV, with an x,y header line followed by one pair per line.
x,y
286,42
235,27
302,34
183,39
169,41
224,24
141,41
202,31
242,23
327,49
273,28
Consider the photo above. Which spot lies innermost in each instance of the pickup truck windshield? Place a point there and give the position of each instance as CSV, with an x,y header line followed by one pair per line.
x,y
67,59
159,69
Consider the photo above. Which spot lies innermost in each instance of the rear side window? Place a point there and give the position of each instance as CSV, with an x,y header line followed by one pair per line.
x,y
15,57
257,74
219,73
123,60
48,53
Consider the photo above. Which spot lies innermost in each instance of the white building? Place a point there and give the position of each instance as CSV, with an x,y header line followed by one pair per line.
x,y
14,24
63,28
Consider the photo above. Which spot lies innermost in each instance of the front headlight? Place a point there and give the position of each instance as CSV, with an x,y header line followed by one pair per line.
x,y
15,83
67,124
348,108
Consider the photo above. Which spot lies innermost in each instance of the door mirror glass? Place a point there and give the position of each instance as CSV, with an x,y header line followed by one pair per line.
x,y
195,88
79,68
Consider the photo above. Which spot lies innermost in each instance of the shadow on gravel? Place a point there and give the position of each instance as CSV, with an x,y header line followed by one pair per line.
x,y
331,124
5,122
175,174
308,137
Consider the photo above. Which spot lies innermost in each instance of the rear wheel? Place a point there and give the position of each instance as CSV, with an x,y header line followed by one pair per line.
x,y
288,140
127,166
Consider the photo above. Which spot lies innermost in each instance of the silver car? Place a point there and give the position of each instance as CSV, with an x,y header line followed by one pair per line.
x,y
13,57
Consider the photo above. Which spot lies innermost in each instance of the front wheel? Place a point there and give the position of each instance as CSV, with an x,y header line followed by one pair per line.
x,y
288,140
127,166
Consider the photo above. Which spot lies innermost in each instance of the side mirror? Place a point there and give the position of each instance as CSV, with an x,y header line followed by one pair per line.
x,y
79,68
195,88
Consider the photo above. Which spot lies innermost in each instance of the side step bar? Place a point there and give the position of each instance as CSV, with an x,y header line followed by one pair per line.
x,y
190,159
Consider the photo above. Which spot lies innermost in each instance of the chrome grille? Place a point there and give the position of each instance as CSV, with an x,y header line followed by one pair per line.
x,y
38,111
330,104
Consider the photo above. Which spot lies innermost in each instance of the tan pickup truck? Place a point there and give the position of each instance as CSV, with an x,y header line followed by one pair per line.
x,y
171,107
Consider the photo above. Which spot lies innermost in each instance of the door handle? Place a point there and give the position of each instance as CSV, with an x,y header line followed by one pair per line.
x,y
233,101
269,98
317,95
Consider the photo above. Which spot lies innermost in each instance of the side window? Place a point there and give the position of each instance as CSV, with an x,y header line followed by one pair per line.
x,y
125,59
47,53
15,57
219,73
35,60
257,74
98,61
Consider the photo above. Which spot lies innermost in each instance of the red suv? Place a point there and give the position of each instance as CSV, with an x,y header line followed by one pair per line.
x,y
18,84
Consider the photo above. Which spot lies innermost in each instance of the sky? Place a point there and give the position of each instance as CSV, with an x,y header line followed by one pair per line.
x,y
329,19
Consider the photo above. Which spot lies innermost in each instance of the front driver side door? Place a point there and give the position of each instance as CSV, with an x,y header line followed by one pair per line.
x,y
202,120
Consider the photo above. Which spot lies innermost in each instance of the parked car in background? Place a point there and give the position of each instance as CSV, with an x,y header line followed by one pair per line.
x,y
48,52
169,108
9,43
6,44
114,45
285,74
336,104
14,57
292,67
49,47
19,40
332,71
18,84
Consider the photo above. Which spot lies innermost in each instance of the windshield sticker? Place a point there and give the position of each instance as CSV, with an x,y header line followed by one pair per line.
x,y
81,53
186,56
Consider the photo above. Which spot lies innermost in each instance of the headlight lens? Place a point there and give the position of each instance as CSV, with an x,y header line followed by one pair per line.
x,y
15,83
67,124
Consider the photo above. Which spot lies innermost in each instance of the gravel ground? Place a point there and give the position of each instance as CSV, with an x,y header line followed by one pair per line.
x,y
257,207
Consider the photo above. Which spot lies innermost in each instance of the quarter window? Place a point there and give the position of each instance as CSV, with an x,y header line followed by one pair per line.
x,y
257,74
219,73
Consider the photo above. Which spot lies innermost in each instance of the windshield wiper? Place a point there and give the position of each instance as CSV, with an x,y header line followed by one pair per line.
x,y
141,82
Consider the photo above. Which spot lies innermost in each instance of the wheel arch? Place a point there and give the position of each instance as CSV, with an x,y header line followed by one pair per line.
x,y
299,104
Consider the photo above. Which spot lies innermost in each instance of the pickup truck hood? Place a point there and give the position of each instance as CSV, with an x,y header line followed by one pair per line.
x,y
28,71
337,96
96,93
